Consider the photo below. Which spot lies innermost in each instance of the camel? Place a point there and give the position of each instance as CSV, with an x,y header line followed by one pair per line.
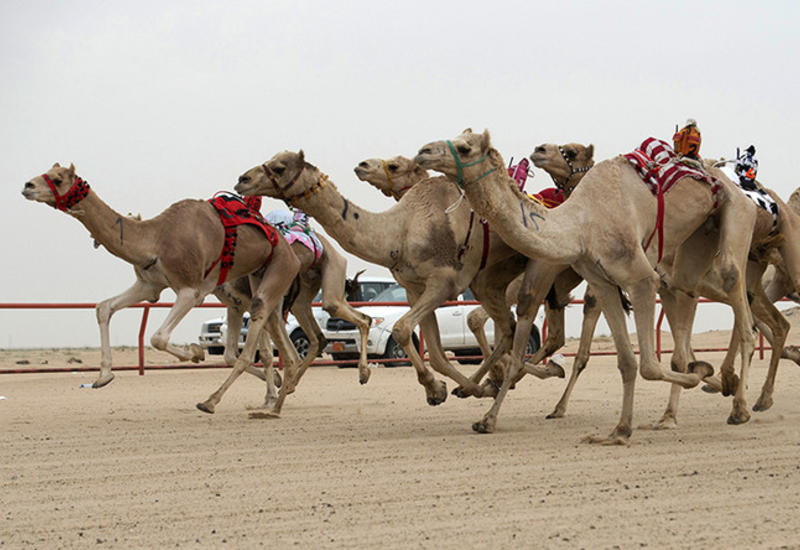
x,y
177,249
620,212
393,177
558,161
327,272
431,242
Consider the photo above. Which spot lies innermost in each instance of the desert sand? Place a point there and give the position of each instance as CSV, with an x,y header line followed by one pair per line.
x,y
136,465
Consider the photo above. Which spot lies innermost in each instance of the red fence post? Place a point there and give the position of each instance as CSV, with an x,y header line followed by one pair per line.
x,y
142,327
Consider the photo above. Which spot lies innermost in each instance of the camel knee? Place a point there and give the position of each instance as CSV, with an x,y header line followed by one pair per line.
x,y
103,312
401,334
476,319
332,308
159,341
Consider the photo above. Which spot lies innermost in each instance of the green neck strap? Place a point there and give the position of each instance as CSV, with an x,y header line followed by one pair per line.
x,y
460,166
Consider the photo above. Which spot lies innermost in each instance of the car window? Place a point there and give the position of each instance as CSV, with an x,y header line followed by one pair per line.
x,y
369,290
395,293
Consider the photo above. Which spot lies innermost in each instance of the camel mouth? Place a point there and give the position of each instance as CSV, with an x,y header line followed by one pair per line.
x,y
361,172
538,159
29,194
242,189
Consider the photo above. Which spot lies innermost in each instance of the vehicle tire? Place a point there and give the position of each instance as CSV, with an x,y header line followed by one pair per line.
x,y
300,342
346,357
466,352
394,351
216,350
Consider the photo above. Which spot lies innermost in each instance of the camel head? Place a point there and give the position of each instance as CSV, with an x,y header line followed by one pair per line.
x,y
59,187
461,158
566,164
285,176
393,176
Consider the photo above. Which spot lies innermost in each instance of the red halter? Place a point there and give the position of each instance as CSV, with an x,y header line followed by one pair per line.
x,y
73,196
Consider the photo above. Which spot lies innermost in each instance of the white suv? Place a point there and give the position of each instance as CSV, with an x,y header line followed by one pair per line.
x,y
212,332
343,337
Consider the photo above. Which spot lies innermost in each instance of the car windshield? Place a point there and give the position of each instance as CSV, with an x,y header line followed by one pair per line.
x,y
394,293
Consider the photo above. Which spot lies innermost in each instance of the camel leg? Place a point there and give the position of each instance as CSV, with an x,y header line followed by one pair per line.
x,y
435,293
591,314
679,309
476,319
277,279
301,309
277,329
139,291
643,298
269,372
608,297
185,300
776,288
335,303
766,312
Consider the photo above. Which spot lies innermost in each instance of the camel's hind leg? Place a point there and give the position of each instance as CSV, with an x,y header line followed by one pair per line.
x,y
476,319
302,311
335,303
139,291
277,329
765,311
278,277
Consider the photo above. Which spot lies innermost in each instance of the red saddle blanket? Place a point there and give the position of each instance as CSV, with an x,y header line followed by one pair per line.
x,y
657,164
233,212
549,197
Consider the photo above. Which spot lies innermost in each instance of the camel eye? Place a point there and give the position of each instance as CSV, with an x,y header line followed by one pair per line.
x,y
393,167
279,170
571,155
463,149
56,181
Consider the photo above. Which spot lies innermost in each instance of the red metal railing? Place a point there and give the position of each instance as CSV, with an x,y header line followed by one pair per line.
x,y
146,307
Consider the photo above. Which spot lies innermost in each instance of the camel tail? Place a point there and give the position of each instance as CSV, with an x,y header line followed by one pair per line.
x,y
291,296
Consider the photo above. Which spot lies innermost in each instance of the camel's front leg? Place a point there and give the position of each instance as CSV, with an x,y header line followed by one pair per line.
x,y
139,291
277,328
591,314
185,300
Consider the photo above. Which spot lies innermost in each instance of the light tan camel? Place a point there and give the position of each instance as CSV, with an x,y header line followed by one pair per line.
x,y
174,250
432,243
393,176
601,232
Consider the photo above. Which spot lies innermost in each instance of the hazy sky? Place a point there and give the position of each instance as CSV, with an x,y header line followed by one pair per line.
x,y
160,101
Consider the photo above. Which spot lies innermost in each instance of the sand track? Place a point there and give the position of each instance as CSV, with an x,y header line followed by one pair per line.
x,y
136,465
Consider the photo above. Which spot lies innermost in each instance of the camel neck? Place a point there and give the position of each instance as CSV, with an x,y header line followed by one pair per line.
x,y
528,227
361,232
120,235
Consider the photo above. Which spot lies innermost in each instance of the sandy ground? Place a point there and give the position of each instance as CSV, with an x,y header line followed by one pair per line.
x,y
135,465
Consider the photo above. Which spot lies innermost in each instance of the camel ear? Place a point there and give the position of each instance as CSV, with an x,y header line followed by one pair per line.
x,y
590,150
56,165
302,156
486,140
467,131
71,169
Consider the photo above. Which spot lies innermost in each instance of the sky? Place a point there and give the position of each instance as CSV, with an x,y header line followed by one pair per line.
x,y
160,101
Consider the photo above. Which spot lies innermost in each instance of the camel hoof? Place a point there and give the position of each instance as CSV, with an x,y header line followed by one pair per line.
x,y
736,419
555,370
198,354
663,424
460,392
363,375
206,407
709,389
489,388
730,384
555,414
701,369
263,415
103,380
440,394
763,404
482,427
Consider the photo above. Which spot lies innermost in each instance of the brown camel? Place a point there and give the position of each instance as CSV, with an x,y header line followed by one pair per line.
x,y
601,232
432,242
175,249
